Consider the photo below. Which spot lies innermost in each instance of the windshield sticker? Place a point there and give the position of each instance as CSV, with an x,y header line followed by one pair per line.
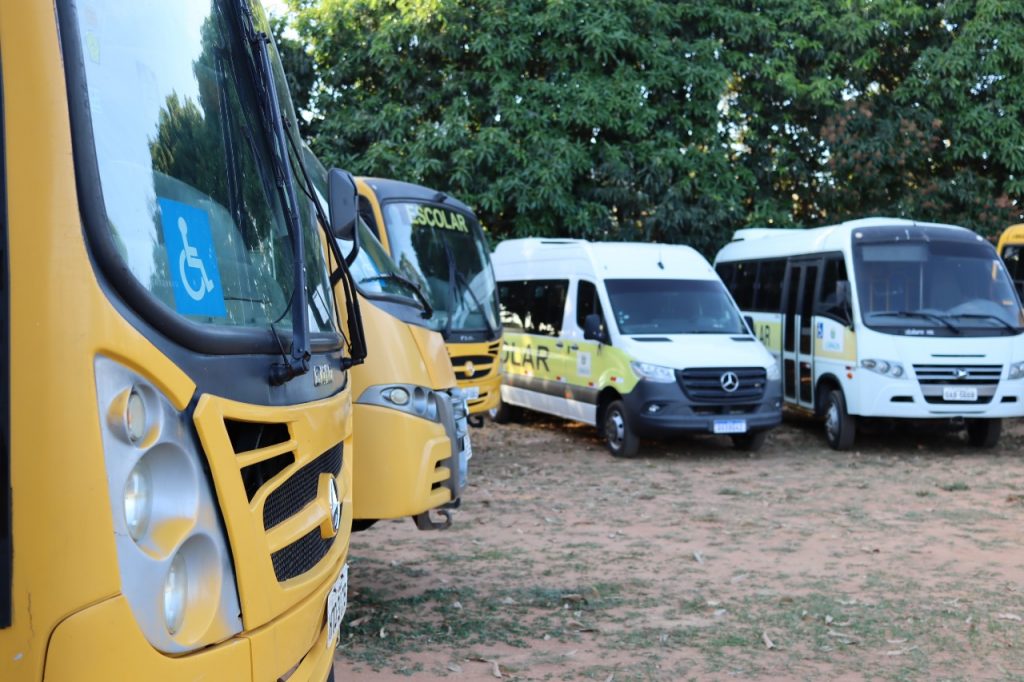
x,y
429,216
193,263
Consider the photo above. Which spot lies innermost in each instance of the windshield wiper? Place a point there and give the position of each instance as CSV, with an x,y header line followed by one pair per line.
x,y
428,311
986,316
297,363
924,316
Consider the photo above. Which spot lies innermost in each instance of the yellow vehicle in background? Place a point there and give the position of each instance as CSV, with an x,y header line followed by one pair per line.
x,y
437,243
176,422
1011,250
411,419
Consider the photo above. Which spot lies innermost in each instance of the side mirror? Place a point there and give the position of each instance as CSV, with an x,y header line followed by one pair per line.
x,y
343,205
593,328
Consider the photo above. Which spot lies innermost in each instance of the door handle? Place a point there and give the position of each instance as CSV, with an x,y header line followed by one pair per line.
x,y
574,347
559,344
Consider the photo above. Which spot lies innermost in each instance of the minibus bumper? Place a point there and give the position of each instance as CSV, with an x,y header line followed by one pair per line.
x,y
660,410
103,643
904,399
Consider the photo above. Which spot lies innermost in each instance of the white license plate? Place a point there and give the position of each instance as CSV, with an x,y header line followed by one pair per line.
x,y
337,602
472,393
960,394
730,426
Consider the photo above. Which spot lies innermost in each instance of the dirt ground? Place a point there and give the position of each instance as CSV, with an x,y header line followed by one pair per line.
x,y
901,559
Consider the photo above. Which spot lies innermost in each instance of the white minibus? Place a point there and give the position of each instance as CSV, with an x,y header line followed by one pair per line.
x,y
884,317
640,340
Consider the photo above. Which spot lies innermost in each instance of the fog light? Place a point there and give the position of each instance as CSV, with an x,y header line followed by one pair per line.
x,y
137,501
135,417
175,594
399,396
653,408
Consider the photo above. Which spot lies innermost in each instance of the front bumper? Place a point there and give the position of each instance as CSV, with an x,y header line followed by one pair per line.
x,y
677,414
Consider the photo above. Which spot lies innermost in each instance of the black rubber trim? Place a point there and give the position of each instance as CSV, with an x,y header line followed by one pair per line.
x,y
6,502
196,337
557,389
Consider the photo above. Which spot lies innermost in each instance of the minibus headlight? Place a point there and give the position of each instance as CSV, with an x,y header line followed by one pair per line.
x,y
1016,371
418,401
887,368
135,417
656,373
773,373
137,501
175,593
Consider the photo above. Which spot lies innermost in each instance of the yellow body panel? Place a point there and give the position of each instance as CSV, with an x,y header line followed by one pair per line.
x,y
1014,234
398,453
68,617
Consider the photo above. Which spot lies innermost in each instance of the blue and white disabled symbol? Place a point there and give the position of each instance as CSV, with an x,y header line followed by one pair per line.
x,y
195,278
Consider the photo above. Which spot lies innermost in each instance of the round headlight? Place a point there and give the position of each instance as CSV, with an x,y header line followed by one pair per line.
x,y
399,396
897,371
175,593
883,366
135,417
137,501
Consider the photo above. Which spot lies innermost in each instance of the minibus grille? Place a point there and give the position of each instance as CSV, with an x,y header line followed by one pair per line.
x,y
300,489
301,555
708,385
933,378
482,365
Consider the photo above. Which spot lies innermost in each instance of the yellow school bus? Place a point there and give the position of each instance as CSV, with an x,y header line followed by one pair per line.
x,y
437,242
176,422
1011,250
410,417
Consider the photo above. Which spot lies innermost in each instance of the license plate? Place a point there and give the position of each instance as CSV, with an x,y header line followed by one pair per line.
x,y
337,602
960,394
730,426
472,393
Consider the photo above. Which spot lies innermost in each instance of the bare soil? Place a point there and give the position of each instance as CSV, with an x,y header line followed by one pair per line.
x,y
899,560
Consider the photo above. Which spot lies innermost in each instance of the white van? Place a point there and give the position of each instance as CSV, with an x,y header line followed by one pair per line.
x,y
884,318
640,340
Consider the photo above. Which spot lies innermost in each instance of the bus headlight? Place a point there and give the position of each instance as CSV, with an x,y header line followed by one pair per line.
x,y
1016,371
655,373
137,501
175,594
411,399
887,368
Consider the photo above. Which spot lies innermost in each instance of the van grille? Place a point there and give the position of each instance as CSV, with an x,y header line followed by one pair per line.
x,y
705,385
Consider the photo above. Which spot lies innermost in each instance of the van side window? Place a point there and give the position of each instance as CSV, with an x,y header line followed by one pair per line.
x,y
828,298
587,302
534,307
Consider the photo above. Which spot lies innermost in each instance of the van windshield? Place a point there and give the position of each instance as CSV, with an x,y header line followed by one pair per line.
x,y
673,306
938,287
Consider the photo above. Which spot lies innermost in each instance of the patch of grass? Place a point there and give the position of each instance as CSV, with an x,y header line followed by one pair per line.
x,y
956,486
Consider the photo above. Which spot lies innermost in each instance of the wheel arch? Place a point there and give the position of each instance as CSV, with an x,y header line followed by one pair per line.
x,y
826,382
607,396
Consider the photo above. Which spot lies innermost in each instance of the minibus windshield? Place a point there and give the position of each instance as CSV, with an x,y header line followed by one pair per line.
x,y
939,287
673,306
445,252
375,273
185,163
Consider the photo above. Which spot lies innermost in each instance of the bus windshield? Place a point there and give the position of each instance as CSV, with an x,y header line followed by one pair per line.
x,y
444,251
186,166
673,306
936,287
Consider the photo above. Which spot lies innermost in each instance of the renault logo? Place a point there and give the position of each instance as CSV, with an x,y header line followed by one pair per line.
x,y
469,368
334,502
730,382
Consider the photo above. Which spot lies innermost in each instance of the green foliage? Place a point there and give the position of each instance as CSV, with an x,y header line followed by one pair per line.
x,y
674,121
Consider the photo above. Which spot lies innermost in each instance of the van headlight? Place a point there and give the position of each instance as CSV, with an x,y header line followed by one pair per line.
x,y
655,373
772,372
1016,371
173,558
887,368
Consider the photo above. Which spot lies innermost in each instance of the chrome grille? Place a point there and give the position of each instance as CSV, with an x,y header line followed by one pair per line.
x,y
933,378
704,385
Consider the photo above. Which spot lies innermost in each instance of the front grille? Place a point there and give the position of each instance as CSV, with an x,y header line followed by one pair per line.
x,y
705,385
301,555
482,365
934,378
300,489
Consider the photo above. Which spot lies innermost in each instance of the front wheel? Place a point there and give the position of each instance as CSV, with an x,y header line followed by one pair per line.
x,y
750,442
620,437
503,413
840,427
984,433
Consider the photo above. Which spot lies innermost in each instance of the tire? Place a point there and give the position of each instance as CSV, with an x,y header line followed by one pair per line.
x,y
504,413
984,433
330,675
622,441
359,525
840,427
750,442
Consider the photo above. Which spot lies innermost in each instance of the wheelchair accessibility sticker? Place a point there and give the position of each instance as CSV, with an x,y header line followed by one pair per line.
x,y
193,262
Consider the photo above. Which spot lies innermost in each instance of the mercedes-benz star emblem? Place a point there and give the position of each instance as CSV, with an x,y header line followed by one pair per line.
x,y
961,373
335,503
730,382
469,368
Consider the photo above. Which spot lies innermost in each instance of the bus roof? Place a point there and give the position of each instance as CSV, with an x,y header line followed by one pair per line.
x,y
764,242
538,257
393,190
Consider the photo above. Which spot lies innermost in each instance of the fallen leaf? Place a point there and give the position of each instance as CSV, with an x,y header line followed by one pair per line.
x,y
580,627
574,598
383,634
457,605
455,667
496,669
1009,616
359,621
896,641
699,558
610,678
768,643
509,601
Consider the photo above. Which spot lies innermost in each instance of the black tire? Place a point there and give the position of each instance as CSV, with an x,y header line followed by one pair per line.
x,y
840,427
330,675
359,525
984,433
622,441
750,442
504,413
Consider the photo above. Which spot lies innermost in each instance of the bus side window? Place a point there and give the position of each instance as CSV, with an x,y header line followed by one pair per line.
x,y
366,213
828,298
770,274
744,280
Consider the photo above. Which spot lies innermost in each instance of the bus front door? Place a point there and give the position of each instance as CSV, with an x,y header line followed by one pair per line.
x,y
798,333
